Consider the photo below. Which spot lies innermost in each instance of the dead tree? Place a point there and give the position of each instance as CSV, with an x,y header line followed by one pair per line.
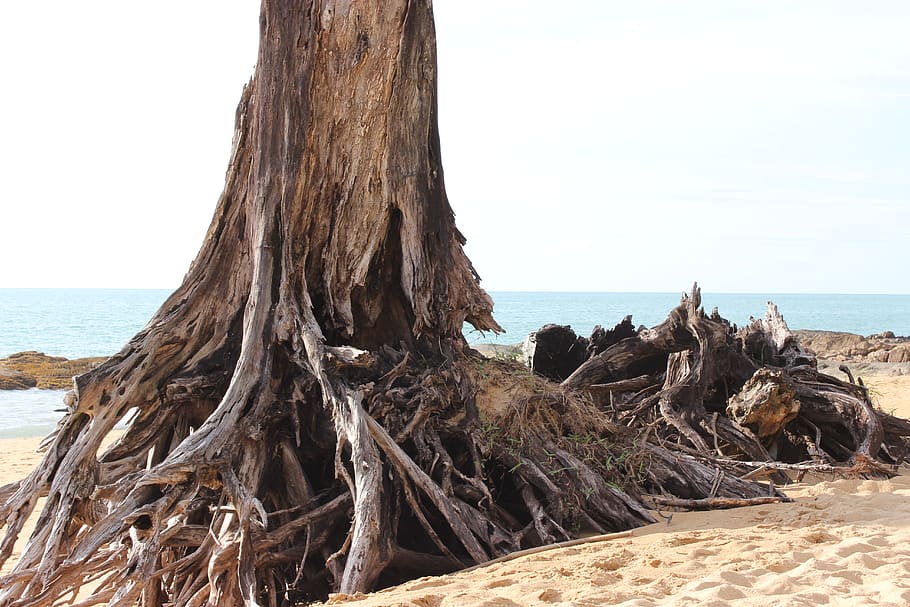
x,y
305,404
741,399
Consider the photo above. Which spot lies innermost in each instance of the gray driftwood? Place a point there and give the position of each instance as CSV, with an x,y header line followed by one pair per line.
x,y
703,387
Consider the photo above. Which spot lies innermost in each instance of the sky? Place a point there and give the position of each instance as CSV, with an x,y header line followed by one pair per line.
x,y
587,145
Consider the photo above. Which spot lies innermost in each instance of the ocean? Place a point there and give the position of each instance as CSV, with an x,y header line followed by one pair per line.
x,y
74,323
98,322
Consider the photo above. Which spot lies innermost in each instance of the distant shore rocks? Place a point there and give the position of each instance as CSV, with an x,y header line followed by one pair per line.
x,y
833,347
848,347
31,369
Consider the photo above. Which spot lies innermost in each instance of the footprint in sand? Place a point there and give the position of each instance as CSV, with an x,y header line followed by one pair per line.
x,y
550,596
736,579
430,600
608,564
700,553
854,577
849,547
685,540
818,536
498,602
423,584
500,583
712,589
779,567
879,541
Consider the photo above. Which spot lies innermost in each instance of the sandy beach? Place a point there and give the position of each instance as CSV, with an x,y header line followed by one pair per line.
x,y
843,542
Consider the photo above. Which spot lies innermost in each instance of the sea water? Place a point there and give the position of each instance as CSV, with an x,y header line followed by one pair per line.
x,y
519,313
74,323
29,412
98,322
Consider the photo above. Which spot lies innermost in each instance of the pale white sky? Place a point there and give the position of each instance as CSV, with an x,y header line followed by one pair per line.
x,y
588,145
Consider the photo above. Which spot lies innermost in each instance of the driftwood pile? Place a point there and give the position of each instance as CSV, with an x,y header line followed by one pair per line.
x,y
750,401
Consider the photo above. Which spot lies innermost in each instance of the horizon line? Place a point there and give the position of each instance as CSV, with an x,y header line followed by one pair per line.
x,y
528,291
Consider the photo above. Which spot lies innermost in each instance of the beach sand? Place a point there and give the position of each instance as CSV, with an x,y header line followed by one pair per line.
x,y
18,457
843,542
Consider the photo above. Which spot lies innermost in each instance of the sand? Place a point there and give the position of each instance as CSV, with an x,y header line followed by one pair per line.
x,y
17,458
843,542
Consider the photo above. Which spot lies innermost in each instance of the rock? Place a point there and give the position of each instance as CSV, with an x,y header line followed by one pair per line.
x,y
879,356
899,354
847,347
32,369
500,351
828,344
15,380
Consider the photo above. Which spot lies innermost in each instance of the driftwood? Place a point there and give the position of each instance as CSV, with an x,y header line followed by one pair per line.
x,y
715,503
767,402
554,351
754,395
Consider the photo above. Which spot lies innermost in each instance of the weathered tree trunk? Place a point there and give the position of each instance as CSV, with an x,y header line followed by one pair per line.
x,y
333,236
554,351
304,404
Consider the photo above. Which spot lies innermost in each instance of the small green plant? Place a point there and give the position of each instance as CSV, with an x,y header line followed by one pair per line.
x,y
491,433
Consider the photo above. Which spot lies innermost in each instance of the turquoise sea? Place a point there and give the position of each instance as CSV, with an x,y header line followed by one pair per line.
x,y
98,322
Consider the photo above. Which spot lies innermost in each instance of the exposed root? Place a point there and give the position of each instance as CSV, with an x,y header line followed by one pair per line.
x,y
704,388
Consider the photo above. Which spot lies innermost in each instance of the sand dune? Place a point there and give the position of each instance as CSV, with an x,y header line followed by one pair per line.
x,y
843,542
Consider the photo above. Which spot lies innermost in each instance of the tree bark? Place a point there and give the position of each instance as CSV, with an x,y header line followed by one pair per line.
x,y
305,415
697,383
333,235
